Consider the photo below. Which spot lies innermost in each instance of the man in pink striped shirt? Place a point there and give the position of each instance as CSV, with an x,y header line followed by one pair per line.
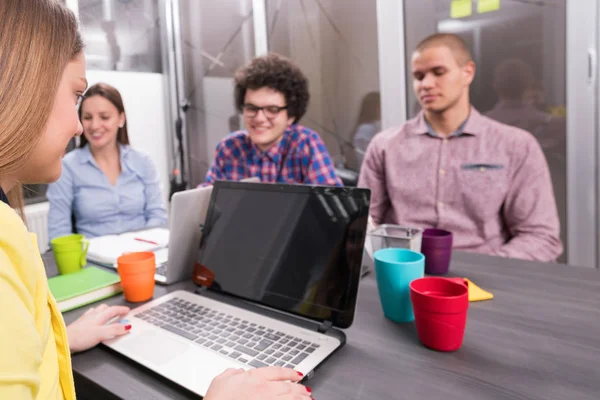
x,y
455,169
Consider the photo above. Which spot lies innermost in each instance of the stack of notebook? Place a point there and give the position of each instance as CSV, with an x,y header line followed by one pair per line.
x,y
83,287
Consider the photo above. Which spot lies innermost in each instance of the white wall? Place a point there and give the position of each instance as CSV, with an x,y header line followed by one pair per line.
x,y
145,105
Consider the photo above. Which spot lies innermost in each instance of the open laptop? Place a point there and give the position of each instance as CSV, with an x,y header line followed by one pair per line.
x,y
186,220
188,211
282,266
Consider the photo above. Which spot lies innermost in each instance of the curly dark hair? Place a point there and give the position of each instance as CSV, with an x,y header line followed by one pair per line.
x,y
278,73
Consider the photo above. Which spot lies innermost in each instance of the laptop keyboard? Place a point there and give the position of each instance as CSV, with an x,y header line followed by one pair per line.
x,y
244,341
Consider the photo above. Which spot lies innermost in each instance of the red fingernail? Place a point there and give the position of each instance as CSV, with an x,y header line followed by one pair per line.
x,y
300,373
309,390
127,327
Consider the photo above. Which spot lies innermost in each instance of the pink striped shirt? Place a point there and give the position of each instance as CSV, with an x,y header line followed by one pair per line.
x,y
489,185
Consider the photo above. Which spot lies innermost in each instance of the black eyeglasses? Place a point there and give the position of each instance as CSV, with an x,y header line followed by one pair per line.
x,y
250,110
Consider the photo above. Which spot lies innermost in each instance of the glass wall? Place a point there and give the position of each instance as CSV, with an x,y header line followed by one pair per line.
x,y
335,44
520,52
119,35
216,41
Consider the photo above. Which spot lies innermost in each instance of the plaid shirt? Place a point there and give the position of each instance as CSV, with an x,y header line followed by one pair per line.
x,y
300,157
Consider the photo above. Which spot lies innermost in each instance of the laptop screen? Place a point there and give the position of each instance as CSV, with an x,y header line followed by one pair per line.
x,y
295,248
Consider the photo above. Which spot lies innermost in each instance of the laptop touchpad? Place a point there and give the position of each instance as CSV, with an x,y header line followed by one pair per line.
x,y
157,347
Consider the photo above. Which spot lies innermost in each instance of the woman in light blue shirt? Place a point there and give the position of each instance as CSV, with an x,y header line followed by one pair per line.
x,y
107,186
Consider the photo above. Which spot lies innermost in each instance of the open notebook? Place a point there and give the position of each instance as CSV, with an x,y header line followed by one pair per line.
x,y
105,250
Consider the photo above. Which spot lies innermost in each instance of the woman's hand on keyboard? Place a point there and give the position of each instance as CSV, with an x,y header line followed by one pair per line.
x,y
93,327
275,383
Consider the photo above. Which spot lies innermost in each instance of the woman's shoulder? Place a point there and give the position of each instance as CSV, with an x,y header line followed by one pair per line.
x,y
74,156
24,280
10,222
77,159
15,241
135,155
138,161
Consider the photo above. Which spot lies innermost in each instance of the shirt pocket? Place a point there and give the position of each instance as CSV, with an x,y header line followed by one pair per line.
x,y
483,188
481,166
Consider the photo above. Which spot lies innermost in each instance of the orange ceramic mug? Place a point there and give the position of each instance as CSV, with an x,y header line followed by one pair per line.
x,y
137,275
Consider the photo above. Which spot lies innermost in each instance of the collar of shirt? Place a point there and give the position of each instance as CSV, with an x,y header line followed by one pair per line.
x,y
85,156
3,197
275,152
472,125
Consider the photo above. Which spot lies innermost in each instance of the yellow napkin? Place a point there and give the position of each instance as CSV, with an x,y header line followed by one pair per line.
x,y
476,293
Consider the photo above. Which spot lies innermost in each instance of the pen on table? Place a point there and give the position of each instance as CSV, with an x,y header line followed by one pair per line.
x,y
146,241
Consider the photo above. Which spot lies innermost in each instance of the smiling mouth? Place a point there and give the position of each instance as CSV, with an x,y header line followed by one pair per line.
x,y
261,130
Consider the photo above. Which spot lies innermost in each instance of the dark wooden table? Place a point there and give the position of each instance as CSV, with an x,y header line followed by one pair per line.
x,y
538,339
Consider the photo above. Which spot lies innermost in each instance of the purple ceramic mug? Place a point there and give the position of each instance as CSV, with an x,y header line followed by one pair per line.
x,y
436,246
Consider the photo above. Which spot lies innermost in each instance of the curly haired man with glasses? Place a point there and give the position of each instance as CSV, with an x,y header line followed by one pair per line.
x,y
272,94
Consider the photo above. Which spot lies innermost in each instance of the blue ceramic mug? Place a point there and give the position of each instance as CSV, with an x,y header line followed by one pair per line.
x,y
395,269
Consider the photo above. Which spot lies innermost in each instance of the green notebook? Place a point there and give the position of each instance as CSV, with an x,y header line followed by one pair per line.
x,y
83,287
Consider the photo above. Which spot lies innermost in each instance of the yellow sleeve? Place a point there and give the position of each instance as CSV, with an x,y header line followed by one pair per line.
x,y
20,342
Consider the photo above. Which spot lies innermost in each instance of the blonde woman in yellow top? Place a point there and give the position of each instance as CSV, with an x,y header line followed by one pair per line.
x,y
42,76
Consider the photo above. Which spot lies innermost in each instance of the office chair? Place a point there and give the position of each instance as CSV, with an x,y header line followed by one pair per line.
x,y
349,177
73,222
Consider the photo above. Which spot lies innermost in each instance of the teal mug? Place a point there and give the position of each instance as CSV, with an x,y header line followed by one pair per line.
x,y
395,269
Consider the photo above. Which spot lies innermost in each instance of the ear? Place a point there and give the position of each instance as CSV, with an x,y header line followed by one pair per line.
x,y
469,72
290,121
121,119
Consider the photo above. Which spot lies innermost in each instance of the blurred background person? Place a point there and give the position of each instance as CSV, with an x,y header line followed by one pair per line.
x,y
106,186
368,123
521,103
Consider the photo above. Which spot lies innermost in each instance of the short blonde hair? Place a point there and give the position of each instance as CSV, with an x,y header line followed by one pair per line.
x,y
39,38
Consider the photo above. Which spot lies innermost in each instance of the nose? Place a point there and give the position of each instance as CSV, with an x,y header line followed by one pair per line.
x,y
428,81
94,123
79,130
260,116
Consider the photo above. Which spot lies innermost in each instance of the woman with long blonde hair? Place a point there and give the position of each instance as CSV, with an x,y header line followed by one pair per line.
x,y
42,76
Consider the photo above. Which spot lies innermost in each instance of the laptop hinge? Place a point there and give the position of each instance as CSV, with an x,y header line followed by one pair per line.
x,y
324,327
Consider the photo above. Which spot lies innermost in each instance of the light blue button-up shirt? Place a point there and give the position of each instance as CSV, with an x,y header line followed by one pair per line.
x,y
100,208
